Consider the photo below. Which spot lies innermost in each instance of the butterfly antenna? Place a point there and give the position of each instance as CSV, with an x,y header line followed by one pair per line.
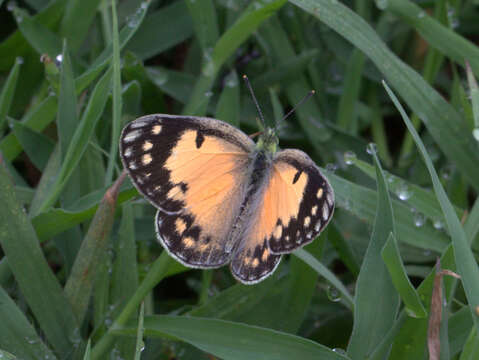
x,y
248,84
308,95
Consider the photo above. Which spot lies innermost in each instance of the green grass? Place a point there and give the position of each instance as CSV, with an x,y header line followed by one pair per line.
x,y
81,273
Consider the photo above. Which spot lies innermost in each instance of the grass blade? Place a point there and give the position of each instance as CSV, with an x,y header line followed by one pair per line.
x,y
117,98
17,334
327,274
465,262
374,281
140,345
228,106
203,14
392,259
8,90
441,119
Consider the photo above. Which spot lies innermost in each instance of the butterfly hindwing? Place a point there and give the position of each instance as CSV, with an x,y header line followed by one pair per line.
x,y
296,203
194,171
301,202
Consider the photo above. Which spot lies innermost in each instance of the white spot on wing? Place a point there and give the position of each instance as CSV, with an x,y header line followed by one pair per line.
x,y
147,146
128,151
132,165
325,212
146,159
138,124
307,221
156,129
329,197
132,135
314,210
317,226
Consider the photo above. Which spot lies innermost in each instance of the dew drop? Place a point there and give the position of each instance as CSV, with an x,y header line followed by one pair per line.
x,y
438,224
331,167
475,133
349,157
372,149
419,219
11,5
20,60
59,59
333,293
209,94
340,351
403,192
421,14
427,252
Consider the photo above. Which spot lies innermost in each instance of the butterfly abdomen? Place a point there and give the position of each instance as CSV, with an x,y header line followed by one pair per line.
x,y
259,171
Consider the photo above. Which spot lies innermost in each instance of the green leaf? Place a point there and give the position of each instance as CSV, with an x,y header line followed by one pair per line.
x,y
374,281
392,259
8,91
36,280
465,262
230,341
140,345
37,146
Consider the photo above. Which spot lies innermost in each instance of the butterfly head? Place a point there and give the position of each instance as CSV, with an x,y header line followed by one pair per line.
x,y
268,141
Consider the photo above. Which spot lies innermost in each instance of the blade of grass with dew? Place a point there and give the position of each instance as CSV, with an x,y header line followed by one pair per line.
x,y
16,44
17,335
255,14
374,281
80,283
327,274
81,138
37,119
471,227
392,260
76,21
447,41
203,14
161,30
442,121
344,249
220,338
465,262
474,93
67,120
420,199
156,273
8,91
87,351
42,39
362,201
116,122
37,146
8,356
377,127
37,282
228,106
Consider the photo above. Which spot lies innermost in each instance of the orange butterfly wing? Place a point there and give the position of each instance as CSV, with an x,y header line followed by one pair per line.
x,y
194,170
296,203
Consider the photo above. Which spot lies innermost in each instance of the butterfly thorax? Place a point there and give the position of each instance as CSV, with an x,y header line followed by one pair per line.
x,y
268,142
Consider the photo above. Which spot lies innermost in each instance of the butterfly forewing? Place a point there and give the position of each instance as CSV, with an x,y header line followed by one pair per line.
x,y
194,170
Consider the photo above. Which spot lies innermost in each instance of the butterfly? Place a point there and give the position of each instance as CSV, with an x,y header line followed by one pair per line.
x,y
222,198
